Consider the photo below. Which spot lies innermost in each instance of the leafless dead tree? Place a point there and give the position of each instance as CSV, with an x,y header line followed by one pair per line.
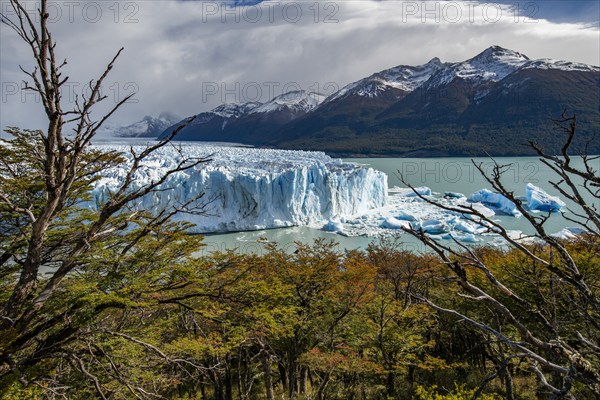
x,y
566,360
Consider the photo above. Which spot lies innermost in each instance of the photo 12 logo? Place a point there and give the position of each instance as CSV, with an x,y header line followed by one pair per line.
x,y
431,171
454,12
271,12
236,92
70,92
75,11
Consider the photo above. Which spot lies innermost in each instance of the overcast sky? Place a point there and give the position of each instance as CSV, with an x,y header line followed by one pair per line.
x,y
189,56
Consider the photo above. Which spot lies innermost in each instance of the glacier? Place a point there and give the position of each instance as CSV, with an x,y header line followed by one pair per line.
x,y
251,189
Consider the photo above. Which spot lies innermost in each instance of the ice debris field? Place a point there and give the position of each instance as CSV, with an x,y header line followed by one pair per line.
x,y
405,209
253,189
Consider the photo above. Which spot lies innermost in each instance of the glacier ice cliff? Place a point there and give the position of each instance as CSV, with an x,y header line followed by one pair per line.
x,y
251,189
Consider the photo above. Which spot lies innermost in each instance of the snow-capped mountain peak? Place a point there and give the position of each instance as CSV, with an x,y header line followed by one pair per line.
x,y
402,77
500,55
491,65
295,101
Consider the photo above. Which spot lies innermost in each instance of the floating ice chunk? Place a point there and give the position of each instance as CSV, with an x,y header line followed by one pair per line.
x,y
495,200
469,238
568,233
516,235
405,216
439,237
467,227
482,209
333,226
454,195
538,199
408,192
433,226
393,223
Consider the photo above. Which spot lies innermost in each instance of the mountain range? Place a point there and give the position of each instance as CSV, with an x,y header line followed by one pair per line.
x,y
490,104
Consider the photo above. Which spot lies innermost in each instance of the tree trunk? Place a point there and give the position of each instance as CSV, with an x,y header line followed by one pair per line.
x,y
282,376
228,380
508,384
411,374
266,366
202,391
303,379
240,385
292,370
323,386
218,384
391,384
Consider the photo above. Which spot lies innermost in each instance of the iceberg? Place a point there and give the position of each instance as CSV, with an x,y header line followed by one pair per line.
x,y
432,226
405,216
422,190
568,233
479,207
393,223
333,226
453,195
494,200
468,238
250,189
538,199
465,227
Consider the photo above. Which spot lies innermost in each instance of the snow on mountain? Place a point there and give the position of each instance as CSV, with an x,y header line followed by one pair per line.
x,y
391,100
220,115
294,101
299,101
225,111
148,127
548,63
490,66
235,110
403,77
493,64
252,189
